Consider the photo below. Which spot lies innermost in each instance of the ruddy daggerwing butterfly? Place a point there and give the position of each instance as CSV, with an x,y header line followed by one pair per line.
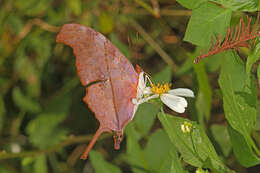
x,y
110,79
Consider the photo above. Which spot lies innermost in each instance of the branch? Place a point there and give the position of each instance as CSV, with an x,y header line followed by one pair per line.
x,y
28,27
69,141
168,12
155,45
156,8
148,8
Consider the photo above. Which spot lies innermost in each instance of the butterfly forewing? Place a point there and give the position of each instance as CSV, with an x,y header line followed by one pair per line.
x,y
98,60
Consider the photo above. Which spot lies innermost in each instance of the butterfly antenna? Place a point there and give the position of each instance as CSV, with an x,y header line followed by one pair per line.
x,y
149,78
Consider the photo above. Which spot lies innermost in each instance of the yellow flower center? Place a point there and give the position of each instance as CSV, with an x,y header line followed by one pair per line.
x,y
186,127
160,88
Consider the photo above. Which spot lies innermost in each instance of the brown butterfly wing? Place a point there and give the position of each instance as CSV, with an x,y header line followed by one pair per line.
x,y
98,60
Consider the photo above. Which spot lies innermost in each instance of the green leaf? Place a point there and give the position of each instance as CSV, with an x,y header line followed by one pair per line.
x,y
251,59
176,162
101,165
220,134
182,141
191,4
60,104
40,164
106,23
204,99
167,163
27,161
144,118
5,170
239,5
135,155
185,68
75,6
258,74
242,150
195,147
33,7
28,70
87,19
239,97
41,45
202,27
157,151
43,131
163,76
25,103
257,123
155,156
213,63
15,23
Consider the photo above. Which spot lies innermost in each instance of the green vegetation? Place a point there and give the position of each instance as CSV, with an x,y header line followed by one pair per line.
x,y
45,125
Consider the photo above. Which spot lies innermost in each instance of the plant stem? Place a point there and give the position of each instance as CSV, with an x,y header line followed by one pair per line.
x,y
146,7
163,12
168,12
155,46
35,22
252,142
69,141
256,137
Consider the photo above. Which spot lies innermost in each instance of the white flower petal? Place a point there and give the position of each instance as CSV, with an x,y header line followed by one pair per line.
x,y
178,104
140,101
182,92
141,81
141,86
146,99
147,90
135,109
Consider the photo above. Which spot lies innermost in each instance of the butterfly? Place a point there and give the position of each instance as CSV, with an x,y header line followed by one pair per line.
x,y
110,79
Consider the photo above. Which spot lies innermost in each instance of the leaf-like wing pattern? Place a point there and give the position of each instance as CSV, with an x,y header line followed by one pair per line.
x,y
111,78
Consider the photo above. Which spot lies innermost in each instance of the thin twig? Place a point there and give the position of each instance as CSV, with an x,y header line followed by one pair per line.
x,y
163,12
69,141
147,7
155,45
167,12
156,8
38,22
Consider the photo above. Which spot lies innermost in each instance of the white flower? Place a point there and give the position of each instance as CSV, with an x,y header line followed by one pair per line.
x,y
173,98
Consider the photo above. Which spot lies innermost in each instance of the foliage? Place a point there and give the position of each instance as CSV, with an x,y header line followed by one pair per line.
x,y
43,119
234,38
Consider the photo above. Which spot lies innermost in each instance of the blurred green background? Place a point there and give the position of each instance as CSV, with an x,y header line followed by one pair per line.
x,y
45,125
